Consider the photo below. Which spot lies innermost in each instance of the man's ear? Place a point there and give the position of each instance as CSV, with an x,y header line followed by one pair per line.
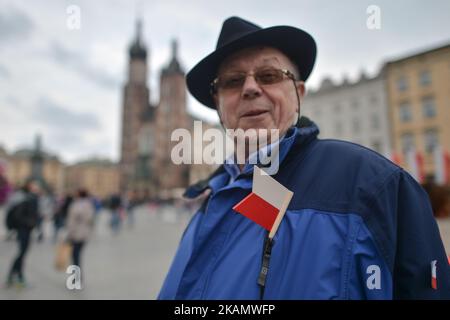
x,y
300,88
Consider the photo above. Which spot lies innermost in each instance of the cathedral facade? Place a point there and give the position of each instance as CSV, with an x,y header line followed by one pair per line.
x,y
145,163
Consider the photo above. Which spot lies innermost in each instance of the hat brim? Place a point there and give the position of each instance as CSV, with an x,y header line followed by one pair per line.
x,y
297,44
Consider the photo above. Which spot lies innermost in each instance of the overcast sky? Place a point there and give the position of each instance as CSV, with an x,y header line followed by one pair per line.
x,y
67,84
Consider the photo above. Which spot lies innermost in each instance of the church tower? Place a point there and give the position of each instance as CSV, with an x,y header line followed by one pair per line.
x,y
171,114
135,103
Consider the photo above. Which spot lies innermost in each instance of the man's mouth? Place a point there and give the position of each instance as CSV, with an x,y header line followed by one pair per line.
x,y
254,113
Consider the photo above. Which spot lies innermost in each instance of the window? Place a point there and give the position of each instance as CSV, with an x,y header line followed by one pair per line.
x,y
373,100
375,121
407,142
431,140
405,112
356,125
425,78
338,129
428,107
402,84
165,109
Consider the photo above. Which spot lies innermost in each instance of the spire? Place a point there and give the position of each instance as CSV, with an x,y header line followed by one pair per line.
x,y
138,31
37,163
137,48
174,66
38,144
174,49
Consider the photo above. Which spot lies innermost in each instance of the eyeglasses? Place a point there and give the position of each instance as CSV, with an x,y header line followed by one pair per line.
x,y
264,76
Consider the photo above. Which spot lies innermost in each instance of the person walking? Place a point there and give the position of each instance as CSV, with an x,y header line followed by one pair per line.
x,y
80,221
115,205
60,215
23,216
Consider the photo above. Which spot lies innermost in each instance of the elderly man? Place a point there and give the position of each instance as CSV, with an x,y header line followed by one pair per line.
x,y
358,226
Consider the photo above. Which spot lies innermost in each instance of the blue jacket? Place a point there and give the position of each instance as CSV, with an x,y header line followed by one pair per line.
x,y
358,227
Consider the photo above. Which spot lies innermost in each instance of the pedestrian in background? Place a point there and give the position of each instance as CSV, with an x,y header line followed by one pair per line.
x,y
23,216
132,202
115,205
60,215
80,221
5,188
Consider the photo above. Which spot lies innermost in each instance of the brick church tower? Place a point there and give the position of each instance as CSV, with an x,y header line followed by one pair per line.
x,y
146,165
135,104
171,114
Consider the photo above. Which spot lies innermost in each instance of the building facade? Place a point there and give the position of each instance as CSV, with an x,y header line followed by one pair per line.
x,y
99,177
146,165
19,169
171,114
355,112
418,90
136,97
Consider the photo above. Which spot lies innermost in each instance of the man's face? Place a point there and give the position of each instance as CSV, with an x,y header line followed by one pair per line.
x,y
268,106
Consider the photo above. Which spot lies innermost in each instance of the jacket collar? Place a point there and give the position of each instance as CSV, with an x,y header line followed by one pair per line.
x,y
302,134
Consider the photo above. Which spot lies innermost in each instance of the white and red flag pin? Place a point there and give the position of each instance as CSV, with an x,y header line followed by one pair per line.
x,y
267,203
433,275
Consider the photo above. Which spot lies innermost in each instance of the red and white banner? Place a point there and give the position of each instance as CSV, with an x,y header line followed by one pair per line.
x,y
441,166
416,166
267,202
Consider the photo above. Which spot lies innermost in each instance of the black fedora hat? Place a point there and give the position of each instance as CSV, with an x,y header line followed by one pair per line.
x,y
237,34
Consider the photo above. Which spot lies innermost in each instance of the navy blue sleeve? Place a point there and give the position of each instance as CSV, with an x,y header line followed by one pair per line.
x,y
369,276
405,229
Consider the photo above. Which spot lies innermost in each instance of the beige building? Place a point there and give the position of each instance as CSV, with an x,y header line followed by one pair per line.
x,y
418,89
19,169
99,177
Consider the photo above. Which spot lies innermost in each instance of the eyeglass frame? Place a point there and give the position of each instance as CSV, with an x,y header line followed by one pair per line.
x,y
286,72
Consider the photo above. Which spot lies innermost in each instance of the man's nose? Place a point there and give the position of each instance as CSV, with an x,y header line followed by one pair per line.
x,y
251,88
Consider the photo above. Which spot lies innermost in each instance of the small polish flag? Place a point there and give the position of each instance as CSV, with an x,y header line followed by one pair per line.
x,y
433,275
267,203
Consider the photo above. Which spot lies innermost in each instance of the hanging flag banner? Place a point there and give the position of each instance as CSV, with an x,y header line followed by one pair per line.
x,y
415,162
441,166
267,203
